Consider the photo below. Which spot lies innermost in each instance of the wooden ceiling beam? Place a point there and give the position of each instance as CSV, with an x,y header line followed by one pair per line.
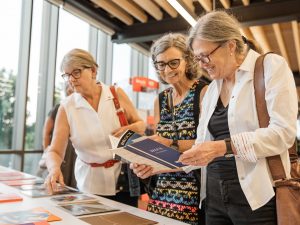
x,y
167,7
132,9
206,4
114,10
278,11
246,2
150,8
295,28
252,15
225,3
247,33
189,5
151,30
280,41
261,38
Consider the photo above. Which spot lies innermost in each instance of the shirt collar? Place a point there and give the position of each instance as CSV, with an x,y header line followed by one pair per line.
x,y
247,66
248,63
80,101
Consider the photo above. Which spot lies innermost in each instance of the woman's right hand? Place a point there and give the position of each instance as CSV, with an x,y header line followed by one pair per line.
x,y
141,170
54,180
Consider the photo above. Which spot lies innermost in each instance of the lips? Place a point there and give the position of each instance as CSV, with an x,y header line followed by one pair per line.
x,y
171,75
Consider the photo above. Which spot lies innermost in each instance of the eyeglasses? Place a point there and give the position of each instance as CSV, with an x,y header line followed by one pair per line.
x,y
173,64
76,74
205,58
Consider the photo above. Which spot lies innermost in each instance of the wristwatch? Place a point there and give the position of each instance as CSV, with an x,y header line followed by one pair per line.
x,y
229,152
175,145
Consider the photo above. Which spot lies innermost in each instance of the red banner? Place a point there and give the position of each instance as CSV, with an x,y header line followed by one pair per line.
x,y
143,84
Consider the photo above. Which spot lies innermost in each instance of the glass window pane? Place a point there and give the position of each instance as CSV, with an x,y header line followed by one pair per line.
x,y
9,45
31,163
146,100
33,74
121,67
151,71
72,33
10,161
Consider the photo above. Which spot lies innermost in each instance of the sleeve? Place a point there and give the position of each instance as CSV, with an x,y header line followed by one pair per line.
x,y
282,106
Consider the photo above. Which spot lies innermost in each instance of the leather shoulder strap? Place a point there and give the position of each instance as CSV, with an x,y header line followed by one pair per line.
x,y
120,111
274,162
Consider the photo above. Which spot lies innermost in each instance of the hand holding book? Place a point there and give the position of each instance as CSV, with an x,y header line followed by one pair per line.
x,y
144,171
148,152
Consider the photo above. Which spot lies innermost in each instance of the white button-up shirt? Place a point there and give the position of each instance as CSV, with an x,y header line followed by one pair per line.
x,y
254,144
89,131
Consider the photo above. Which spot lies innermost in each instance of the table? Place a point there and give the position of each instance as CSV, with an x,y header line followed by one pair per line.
x,y
67,218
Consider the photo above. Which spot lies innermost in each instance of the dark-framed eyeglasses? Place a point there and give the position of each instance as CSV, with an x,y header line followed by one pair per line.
x,y
161,66
76,74
205,58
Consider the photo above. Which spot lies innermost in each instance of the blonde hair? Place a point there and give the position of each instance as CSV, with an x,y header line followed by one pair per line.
x,y
178,41
219,27
78,58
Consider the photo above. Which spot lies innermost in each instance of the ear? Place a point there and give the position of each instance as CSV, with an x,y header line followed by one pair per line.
x,y
232,46
94,72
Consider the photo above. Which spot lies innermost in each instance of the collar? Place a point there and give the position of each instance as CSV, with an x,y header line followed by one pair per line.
x,y
248,63
81,102
247,66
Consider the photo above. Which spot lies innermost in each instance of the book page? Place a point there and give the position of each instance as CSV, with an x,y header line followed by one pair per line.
x,y
134,158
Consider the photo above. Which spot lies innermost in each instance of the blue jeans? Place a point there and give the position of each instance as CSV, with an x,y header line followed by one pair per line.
x,y
226,204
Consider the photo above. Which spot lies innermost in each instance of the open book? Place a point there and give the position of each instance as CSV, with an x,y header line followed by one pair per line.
x,y
136,149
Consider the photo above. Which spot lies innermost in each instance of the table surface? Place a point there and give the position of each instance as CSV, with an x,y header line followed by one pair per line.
x,y
67,218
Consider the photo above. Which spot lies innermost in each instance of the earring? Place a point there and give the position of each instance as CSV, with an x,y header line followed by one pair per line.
x,y
231,53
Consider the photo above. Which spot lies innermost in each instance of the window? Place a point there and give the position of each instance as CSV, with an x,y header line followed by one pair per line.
x,y
33,77
151,71
9,45
72,33
121,67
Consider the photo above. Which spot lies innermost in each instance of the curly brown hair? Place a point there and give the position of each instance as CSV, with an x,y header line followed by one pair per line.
x,y
178,41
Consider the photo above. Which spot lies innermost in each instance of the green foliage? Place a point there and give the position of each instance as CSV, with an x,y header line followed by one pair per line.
x,y
7,103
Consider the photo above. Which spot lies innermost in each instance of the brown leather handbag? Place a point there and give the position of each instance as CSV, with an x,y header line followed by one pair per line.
x,y
287,190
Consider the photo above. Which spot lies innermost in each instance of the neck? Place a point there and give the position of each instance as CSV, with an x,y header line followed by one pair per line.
x,y
182,87
93,93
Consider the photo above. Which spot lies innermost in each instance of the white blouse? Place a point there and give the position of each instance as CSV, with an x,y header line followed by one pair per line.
x,y
89,132
252,143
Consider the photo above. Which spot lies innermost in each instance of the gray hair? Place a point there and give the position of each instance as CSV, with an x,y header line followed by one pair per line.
x,y
178,41
78,58
218,27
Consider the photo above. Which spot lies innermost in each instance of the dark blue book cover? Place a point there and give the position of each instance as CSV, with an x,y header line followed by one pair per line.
x,y
127,138
156,152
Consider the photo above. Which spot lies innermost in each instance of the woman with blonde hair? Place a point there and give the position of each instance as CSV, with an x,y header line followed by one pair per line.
x,y
88,117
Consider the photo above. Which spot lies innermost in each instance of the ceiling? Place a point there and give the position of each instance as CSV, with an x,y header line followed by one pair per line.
x,y
274,24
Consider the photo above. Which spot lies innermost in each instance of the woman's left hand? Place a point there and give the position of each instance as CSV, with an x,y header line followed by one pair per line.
x,y
118,132
202,154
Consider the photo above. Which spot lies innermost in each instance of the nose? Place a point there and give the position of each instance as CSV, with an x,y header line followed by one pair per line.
x,y
203,64
71,79
168,69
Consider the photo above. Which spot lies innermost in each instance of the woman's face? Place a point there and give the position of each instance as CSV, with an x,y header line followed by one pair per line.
x,y
171,65
217,59
80,78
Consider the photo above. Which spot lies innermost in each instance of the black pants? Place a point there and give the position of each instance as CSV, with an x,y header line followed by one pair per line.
x,y
124,197
226,204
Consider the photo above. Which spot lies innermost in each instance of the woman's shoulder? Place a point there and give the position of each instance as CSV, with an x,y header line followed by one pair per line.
x,y
165,91
70,100
274,59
